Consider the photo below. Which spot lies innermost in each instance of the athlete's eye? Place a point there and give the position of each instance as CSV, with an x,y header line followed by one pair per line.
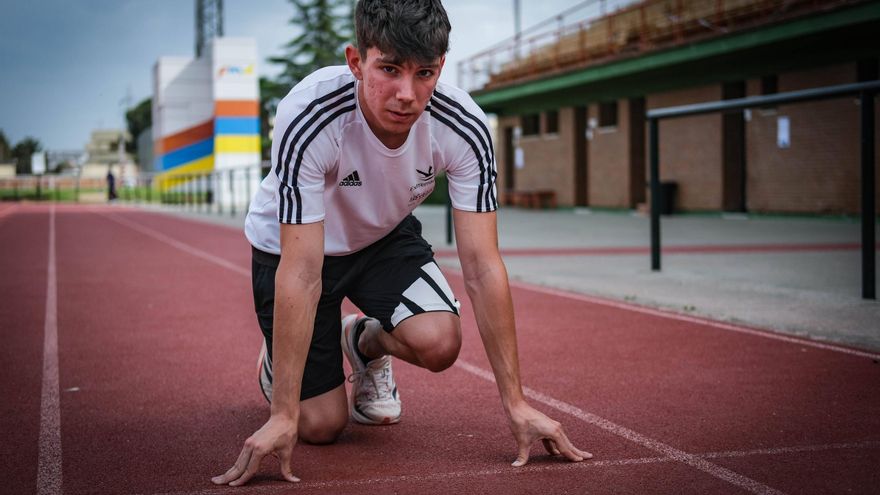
x,y
389,69
426,73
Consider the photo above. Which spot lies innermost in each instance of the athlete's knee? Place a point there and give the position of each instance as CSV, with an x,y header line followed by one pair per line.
x,y
322,418
321,430
443,351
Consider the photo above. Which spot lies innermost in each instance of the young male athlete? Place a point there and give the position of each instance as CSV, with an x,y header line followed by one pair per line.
x,y
355,150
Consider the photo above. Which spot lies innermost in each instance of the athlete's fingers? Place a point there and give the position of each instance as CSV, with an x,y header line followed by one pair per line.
x,y
523,456
550,446
583,453
236,469
284,457
565,447
252,467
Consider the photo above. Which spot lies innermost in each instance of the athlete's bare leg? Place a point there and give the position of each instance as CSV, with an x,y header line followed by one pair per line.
x,y
429,340
322,418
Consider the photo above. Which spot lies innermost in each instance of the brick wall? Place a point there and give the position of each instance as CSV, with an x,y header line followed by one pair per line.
x,y
549,158
608,160
820,171
690,149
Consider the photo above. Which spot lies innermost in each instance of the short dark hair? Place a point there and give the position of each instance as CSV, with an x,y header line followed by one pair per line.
x,y
410,30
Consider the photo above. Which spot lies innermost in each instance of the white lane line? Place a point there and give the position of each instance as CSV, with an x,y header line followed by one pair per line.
x,y
179,245
791,450
531,468
621,431
692,319
49,461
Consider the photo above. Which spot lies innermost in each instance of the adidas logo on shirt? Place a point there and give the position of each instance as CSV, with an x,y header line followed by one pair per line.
x,y
353,179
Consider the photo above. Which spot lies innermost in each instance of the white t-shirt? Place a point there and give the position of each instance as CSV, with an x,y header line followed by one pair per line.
x,y
328,165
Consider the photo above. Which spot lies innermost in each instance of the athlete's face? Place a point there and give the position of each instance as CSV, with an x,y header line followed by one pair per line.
x,y
393,93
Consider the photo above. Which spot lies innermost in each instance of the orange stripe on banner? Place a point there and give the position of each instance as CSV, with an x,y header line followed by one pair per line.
x,y
236,108
185,138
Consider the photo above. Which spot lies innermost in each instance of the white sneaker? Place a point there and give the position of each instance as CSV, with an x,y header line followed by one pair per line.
x,y
264,370
374,398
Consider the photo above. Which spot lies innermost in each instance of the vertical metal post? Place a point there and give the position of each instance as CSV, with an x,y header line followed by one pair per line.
x,y
869,287
449,233
247,185
654,157
231,192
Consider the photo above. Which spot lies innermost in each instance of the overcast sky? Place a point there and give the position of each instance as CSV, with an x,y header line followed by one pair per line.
x,y
67,64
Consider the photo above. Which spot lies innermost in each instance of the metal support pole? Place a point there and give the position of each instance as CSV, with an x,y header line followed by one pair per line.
x,y
449,232
247,184
231,192
654,157
869,217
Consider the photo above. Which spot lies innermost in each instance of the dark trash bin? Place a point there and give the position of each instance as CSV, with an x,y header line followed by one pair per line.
x,y
667,197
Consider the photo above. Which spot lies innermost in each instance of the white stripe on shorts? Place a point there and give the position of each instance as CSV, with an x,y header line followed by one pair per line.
x,y
425,297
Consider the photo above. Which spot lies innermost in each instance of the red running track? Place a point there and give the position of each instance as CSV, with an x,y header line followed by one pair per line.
x,y
156,350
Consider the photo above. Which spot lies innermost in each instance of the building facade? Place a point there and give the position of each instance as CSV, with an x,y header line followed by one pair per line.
x,y
581,131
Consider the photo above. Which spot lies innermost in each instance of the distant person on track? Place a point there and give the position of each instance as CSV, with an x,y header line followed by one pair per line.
x,y
356,148
111,185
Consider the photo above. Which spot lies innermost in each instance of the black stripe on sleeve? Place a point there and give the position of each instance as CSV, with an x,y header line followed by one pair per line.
x,y
302,115
491,204
288,185
299,157
476,150
491,149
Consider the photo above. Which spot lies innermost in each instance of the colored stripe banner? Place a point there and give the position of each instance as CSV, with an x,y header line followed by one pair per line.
x,y
178,176
236,108
188,154
237,125
237,144
185,138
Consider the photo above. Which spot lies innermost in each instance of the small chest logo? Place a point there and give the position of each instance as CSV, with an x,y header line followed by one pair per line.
x,y
426,176
353,180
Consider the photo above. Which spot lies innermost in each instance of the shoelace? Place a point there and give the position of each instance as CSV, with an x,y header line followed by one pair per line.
x,y
381,389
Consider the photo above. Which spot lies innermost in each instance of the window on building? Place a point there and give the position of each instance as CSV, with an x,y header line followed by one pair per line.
x,y
552,117
531,124
608,114
867,70
770,85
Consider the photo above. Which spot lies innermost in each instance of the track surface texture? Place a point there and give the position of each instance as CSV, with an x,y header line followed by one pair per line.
x,y
128,366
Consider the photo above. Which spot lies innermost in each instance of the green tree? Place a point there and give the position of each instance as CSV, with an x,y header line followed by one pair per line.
x,y
139,119
325,27
22,153
4,147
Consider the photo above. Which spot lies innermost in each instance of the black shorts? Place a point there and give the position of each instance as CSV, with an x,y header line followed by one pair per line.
x,y
390,280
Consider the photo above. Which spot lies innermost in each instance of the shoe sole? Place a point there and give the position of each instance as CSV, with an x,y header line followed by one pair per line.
x,y
349,322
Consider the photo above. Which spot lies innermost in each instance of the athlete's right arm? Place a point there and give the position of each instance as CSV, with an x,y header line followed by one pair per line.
x,y
297,291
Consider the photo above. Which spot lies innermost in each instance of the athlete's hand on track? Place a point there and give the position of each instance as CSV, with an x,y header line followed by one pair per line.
x,y
529,425
276,437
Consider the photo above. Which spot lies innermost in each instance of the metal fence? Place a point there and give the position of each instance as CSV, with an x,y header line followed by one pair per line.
x,y
866,91
225,191
598,30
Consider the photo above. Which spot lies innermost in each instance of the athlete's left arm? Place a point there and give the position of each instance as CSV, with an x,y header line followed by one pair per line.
x,y
487,286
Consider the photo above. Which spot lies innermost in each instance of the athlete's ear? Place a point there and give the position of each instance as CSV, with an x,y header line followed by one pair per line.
x,y
353,58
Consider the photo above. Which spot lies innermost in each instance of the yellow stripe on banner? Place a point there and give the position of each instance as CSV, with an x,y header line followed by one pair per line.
x,y
236,143
177,176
